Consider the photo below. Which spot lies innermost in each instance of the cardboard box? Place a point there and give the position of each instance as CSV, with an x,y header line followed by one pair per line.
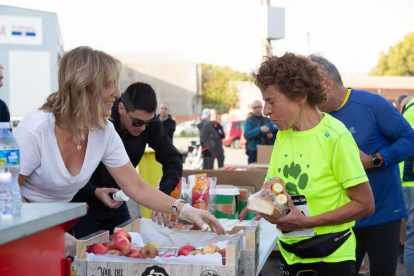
x,y
243,197
264,153
227,204
235,178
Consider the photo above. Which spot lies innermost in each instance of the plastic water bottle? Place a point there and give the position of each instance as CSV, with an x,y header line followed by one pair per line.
x,y
10,196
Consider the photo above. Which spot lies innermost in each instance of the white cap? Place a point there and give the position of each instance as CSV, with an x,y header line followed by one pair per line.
x,y
4,125
206,113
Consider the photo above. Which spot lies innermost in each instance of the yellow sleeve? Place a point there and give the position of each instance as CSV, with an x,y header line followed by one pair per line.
x,y
346,163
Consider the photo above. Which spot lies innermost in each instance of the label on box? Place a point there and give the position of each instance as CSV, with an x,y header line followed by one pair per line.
x,y
155,271
9,157
301,203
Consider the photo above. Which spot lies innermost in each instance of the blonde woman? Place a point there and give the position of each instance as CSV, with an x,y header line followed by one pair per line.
x,y
63,142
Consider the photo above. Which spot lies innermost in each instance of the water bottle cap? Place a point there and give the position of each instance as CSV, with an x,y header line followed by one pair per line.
x,y
4,125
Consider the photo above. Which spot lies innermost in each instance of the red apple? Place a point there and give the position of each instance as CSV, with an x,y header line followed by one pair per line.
x,y
124,233
195,252
169,255
185,250
120,243
106,244
97,249
210,249
149,251
223,252
114,252
134,247
134,253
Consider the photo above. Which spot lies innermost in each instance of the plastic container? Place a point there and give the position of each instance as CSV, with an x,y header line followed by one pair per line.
x,y
10,196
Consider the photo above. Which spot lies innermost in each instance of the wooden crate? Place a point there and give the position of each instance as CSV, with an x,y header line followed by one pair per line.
x,y
250,254
97,268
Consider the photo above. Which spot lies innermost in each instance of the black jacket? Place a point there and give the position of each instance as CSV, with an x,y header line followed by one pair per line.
x,y
4,112
219,129
207,133
169,126
165,153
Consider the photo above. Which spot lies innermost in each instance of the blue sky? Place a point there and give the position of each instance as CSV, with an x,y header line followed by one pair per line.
x,y
226,32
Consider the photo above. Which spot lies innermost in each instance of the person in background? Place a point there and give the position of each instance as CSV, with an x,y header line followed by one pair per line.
x,y
398,100
4,111
258,130
207,137
384,139
63,142
218,148
135,122
407,176
167,122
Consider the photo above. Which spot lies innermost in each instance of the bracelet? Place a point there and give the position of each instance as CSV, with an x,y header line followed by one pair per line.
x,y
174,207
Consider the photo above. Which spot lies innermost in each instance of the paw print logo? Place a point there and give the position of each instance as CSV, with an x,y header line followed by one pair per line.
x,y
293,174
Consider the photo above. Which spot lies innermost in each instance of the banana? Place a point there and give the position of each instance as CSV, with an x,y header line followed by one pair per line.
x,y
154,244
281,199
277,188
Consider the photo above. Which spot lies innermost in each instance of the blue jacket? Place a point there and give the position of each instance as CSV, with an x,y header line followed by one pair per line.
x,y
377,126
252,131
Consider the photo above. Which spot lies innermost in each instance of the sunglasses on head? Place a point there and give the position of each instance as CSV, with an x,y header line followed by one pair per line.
x,y
141,123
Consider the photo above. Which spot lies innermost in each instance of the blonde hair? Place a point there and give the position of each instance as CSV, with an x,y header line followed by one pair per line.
x,y
83,74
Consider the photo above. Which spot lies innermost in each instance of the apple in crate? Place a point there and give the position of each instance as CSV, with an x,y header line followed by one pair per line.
x,y
185,250
195,252
223,252
149,251
97,249
114,252
120,243
169,255
106,244
210,249
134,253
124,233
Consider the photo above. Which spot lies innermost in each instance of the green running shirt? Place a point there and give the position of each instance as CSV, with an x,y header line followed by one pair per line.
x,y
409,115
320,164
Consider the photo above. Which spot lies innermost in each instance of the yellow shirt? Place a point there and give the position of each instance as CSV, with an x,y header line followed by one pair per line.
x,y
320,164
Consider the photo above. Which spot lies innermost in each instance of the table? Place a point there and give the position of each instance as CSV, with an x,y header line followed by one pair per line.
x,y
267,239
33,242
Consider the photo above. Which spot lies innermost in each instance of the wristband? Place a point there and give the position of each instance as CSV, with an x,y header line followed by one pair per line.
x,y
174,207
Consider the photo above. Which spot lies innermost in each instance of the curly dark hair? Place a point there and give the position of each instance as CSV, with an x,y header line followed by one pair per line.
x,y
296,76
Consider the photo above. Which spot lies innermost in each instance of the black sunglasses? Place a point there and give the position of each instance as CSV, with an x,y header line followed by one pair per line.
x,y
140,123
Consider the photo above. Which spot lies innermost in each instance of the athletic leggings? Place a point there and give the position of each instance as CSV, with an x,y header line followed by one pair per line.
x,y
381,243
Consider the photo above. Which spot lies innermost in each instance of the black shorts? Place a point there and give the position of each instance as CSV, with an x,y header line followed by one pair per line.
x,y
346,268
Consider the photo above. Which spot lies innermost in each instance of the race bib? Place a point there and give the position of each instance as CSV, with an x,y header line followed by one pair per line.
x,y
301,204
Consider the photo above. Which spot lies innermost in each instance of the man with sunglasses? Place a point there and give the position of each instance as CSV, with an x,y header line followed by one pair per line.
x,y
135,120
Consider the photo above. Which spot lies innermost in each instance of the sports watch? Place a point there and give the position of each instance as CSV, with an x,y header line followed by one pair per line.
x,y
376,161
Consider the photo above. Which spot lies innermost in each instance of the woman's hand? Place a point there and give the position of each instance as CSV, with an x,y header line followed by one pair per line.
x,y
160,217
103,195
202,218
70,245
292,221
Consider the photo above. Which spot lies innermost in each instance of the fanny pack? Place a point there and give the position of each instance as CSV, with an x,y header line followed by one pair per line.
x,y
318,246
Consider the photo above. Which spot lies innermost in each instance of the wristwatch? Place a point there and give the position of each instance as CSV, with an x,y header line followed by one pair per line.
x,y
376,161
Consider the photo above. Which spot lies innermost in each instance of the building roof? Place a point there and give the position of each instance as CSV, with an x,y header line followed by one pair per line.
x,y
151,57
379,82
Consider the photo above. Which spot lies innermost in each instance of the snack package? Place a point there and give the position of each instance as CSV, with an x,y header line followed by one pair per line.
x,y
180,192
266,203
212,196
200,192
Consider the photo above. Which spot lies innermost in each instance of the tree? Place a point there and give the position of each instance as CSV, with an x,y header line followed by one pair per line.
x,y
217,92
399,61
